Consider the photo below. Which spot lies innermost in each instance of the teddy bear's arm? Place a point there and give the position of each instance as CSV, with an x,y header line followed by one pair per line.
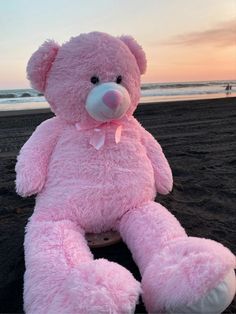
x,y
161,167
32,161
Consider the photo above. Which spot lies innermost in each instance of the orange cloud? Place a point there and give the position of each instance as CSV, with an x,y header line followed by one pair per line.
x,y
224,34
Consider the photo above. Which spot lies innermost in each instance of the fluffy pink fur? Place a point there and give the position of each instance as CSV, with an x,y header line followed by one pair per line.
x,y
137,51
68,82
81,189
186,269
40,64
177,269
62,277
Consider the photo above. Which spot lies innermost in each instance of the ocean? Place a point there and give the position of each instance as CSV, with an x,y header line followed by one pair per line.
x,y
23,99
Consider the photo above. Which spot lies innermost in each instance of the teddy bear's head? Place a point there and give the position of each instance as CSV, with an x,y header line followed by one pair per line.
x,y
91,78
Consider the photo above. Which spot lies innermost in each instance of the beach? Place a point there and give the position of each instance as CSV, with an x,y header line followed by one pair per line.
x,y
199,140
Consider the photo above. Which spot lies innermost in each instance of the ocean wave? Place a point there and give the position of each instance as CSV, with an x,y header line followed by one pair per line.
x,y
176,92
15,96
19,93
23,99
181,85
170,86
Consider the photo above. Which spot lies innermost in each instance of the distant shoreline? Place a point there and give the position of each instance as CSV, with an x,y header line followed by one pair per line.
x,y
27,99
46,109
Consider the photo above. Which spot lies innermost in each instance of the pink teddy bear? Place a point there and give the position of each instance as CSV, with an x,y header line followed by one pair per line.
x,y
95,168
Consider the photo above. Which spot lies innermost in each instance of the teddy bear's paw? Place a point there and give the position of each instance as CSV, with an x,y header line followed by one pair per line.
x,y
29,182
215,301
98,287
164,183
185,272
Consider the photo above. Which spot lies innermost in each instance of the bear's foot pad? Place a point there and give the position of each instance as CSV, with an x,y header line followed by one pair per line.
x,y
216,301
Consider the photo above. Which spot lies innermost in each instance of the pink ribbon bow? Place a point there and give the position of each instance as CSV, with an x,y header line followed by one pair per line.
x,y
98,137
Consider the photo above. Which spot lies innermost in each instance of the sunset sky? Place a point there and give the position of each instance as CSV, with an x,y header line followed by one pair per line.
x,y
184,40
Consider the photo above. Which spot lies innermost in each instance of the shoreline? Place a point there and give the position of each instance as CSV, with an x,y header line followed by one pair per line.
x,y
17,112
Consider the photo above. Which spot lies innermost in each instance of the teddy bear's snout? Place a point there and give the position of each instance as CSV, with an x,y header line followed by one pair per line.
x,y
112,99
107,102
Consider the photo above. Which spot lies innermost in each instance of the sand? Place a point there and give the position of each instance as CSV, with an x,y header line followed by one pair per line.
x,y
199,140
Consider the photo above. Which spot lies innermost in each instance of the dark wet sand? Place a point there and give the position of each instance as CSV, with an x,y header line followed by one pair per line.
x,y
199,140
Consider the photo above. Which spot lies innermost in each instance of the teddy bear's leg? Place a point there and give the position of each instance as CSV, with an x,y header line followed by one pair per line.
x,y
62,278
180,274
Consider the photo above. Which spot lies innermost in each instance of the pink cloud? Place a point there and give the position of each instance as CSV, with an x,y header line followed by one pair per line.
x,y
224,34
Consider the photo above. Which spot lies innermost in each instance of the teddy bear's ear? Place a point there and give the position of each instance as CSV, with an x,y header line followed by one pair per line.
x,y
40,63
137,51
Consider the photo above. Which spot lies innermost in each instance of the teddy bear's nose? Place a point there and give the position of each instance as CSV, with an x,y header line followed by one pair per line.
x,y
112,99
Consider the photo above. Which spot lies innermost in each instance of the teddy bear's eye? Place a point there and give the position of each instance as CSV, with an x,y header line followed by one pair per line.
x,y
94,79
119,79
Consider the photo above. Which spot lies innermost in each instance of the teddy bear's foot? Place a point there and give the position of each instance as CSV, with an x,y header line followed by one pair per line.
x,y
190,275
97,287
216,301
